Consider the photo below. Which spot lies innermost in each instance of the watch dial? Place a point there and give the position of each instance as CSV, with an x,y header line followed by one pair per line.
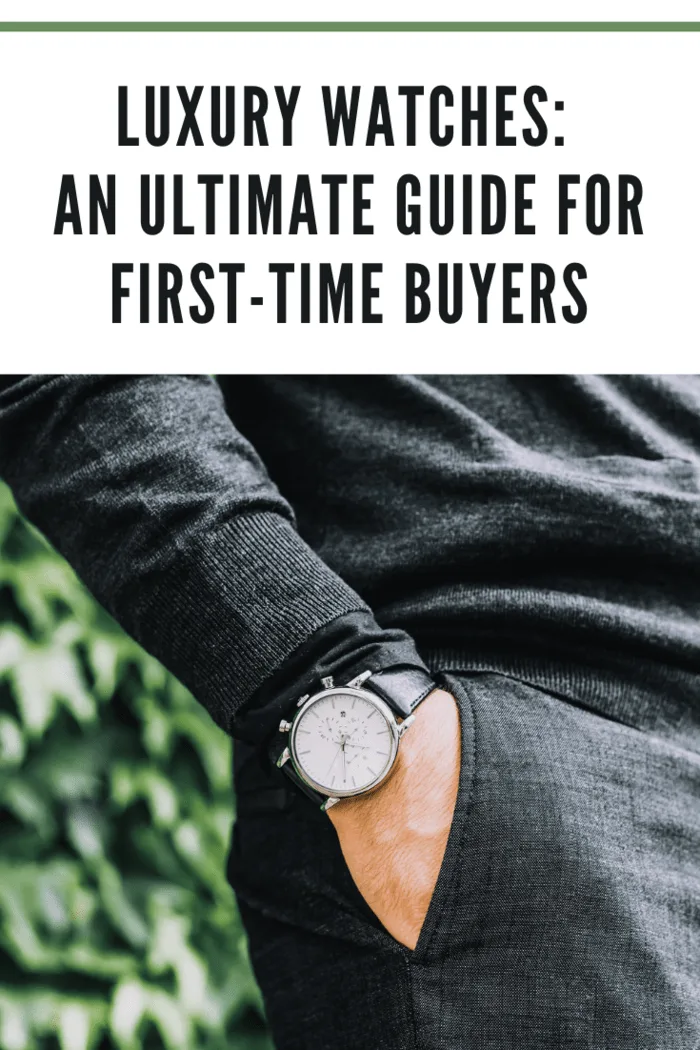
x,y
343,742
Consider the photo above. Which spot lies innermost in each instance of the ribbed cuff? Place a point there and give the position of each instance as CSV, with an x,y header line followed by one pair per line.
x,y
236,604
343,648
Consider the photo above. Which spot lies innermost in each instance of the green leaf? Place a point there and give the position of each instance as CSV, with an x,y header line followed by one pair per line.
x,y
148,783
14,1026
21,798
44,677
74,1027
85,832
134,1001
12,748
12,648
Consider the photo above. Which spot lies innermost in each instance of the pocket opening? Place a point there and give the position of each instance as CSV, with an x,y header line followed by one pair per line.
x,y
449,866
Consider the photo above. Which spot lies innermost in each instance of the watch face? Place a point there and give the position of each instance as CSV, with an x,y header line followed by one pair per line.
x,y
344,741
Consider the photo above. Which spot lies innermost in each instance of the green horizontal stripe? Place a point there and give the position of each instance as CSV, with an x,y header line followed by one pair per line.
x,y
349,27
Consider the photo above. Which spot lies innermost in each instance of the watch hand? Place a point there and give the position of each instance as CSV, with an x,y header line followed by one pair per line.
x,y
335,758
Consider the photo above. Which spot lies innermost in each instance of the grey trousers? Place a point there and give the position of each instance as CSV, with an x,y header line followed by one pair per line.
x,y
566,913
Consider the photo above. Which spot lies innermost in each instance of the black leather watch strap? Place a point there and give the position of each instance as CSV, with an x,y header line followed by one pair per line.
x,y
402,688
275,751
316,796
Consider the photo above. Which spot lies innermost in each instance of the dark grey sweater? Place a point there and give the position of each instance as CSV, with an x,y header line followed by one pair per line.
x,y
542,526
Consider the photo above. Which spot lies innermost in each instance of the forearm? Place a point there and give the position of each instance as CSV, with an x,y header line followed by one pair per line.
x,y
168,515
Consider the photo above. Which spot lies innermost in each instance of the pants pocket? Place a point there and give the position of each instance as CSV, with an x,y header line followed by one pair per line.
x,y
450,864
286,861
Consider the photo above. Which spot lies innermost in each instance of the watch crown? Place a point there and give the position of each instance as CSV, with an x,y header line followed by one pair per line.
x,y
303,699
284,757
285,726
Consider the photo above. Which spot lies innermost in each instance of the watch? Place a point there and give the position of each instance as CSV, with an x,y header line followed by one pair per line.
x,y
343,740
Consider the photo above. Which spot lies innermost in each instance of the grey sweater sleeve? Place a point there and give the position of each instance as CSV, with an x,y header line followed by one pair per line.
x,y
170,518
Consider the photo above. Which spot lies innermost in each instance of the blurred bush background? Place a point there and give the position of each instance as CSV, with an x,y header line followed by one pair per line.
x,y
118,930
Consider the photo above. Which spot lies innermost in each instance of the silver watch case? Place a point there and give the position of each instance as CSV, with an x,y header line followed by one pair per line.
x,y
395,729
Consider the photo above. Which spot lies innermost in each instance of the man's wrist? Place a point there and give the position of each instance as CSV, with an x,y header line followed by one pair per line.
x,y
418,764
394,839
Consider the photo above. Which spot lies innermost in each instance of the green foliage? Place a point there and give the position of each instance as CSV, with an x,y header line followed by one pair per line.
x,y
118,930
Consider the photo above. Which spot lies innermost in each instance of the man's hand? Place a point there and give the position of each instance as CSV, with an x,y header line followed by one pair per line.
x,y
394,839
